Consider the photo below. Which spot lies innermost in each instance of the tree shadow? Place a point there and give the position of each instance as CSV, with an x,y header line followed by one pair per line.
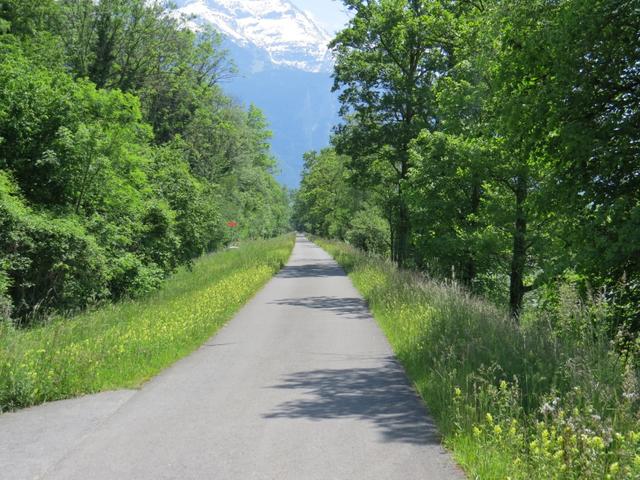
x,y
330,269
351,307
380,395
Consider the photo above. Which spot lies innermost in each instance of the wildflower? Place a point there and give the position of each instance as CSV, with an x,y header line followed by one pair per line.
x,y
476,431
597,442
547,408
457,392
489,419
614,468
497,430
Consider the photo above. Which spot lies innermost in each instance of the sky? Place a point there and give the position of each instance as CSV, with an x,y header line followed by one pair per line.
x,y
330,13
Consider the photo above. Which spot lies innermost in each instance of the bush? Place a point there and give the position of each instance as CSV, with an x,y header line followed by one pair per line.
x,y
93,205
49,263
5,301
369,231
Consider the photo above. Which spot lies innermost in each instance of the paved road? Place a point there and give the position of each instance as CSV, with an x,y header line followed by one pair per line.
x,y
301,385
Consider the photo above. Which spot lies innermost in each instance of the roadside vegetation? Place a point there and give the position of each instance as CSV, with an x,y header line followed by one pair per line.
x,y
489,149
123,344
554,397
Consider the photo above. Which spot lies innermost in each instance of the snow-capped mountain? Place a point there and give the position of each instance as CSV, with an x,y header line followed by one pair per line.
x,y
287,35
284,68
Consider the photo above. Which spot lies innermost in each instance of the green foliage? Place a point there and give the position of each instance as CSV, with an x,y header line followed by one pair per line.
x,y
387,60
325,201
537,401
369,231
47,261
122,345
502,139
446,198
195,203
120,157
328,204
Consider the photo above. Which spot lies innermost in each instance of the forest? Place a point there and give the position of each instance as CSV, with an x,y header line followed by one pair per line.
x,y
121,158
492,142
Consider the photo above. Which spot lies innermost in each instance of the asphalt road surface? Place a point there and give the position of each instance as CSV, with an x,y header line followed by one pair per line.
x,y
300,385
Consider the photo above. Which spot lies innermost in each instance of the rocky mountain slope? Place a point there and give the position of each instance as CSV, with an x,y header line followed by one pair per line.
x,y
286,34
284,69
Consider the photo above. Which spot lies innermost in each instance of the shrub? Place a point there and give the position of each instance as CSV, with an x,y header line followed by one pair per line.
x,y
48,262
5,301
369,231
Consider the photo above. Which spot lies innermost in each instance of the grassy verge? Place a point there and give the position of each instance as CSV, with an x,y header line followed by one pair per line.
x,y
552,399
124,344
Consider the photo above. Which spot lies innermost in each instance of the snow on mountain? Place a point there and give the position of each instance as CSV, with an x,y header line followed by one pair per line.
x,y
289,36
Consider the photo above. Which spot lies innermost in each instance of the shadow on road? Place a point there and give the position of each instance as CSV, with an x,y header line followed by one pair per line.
x,y
343,306
311,270
378,395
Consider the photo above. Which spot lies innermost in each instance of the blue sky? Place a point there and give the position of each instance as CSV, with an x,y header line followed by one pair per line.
x,y
331,13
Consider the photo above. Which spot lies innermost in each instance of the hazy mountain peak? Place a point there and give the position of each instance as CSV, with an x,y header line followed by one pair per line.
x,y
289,36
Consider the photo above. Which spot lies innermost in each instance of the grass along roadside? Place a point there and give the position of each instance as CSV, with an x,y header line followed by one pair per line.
x,y
552,399
124,344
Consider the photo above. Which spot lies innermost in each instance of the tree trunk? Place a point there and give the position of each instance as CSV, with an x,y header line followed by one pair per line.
x,y
403,225
470,269
517,288
105,44
403,232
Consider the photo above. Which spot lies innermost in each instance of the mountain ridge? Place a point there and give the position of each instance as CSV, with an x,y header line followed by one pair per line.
x,y
289,36
287,74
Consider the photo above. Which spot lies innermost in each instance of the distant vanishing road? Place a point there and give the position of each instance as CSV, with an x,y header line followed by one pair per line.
x,y
301,385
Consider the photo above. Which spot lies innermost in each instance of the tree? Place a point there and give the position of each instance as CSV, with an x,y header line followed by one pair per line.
x,y
120,157
591,84
325,201
387,60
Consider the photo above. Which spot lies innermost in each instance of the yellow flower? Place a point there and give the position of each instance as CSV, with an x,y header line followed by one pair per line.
x,y
614,468
457,392
489,418
598,442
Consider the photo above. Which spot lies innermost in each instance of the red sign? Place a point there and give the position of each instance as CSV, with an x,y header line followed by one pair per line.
x,y
232,224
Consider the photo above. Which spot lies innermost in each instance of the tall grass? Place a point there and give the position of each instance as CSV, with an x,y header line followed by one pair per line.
x,y
124,344
555,398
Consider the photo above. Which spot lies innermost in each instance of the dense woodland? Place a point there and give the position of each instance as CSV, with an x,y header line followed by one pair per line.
x,y
120,156
494,142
